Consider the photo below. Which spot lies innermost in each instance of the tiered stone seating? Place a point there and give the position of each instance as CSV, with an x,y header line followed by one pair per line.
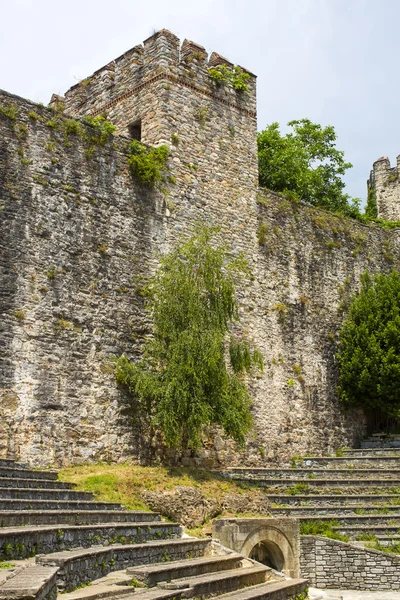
x,y
360,489
62,540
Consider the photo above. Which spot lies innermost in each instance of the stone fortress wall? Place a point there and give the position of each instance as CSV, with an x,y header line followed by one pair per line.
x,y
384,182
78,234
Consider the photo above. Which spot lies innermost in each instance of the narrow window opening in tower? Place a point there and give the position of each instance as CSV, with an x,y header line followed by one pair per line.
x,y
135,130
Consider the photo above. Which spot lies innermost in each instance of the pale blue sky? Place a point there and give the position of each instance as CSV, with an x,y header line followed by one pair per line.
x,y
333,61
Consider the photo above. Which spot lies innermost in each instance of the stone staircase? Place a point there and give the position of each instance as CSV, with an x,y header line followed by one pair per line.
x,y
56,540
359,490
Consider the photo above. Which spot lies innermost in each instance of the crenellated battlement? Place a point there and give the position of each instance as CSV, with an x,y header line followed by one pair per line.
x,y
165,92
161,57
384,181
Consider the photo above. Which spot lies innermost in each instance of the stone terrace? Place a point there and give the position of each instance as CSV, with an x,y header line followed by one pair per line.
x,y
55,539
356,494
360,490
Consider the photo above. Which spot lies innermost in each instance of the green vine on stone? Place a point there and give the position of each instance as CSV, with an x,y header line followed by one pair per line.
x,y
235,75
147,164
101,130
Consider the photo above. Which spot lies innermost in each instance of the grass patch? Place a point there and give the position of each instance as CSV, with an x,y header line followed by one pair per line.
x,y
6,565
376,545
323,528
366,537
125,483
9,111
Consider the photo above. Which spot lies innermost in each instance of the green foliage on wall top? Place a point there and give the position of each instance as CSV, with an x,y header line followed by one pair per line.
x,y
369,351
193,367
235,75
147,164
305,164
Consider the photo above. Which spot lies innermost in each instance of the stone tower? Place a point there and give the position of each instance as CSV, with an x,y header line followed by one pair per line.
x,y
162,93
384,182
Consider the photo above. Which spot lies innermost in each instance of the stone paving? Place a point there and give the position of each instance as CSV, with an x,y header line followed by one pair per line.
x,y
316,594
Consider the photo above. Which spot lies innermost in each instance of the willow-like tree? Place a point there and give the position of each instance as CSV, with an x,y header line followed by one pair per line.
x,y
369,350
191,374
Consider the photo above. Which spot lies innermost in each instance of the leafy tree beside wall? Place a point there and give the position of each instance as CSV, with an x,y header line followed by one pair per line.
x,y
369,350
306,165
192,369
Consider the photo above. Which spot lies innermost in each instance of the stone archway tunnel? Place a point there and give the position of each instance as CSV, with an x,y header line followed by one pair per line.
x,y
273,542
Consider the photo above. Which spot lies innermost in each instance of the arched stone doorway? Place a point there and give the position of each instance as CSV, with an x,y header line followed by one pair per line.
x,y
273,542
268,553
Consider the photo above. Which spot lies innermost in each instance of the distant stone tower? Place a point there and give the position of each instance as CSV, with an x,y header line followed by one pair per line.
x,y
384,181
162,93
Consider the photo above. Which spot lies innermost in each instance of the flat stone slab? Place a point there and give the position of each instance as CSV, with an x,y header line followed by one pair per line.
x,y
21,542
38,493
22,482
27,504
211,583
317,594
28,582
74,517
85,565
69,555
277,590
20,472
94,592
155,573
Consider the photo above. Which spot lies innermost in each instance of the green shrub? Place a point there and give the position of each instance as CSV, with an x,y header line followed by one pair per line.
x,y
72,127
9,111
147,164
369,351
235,75
262,233
33,116
100,130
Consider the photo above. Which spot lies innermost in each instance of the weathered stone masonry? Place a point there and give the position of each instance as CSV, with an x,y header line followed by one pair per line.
x,y
77,235
331,564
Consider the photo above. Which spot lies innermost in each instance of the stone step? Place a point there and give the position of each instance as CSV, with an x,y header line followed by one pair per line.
x,y
81,566
371,452
16,482
8,462
43,494
21,473
30,582
30,517
349,462
312,500
355,530
311,473
367,520
388,540
150,575
335,483
211,584
277,590
13,504
27,541
155,595
381,441
315,511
